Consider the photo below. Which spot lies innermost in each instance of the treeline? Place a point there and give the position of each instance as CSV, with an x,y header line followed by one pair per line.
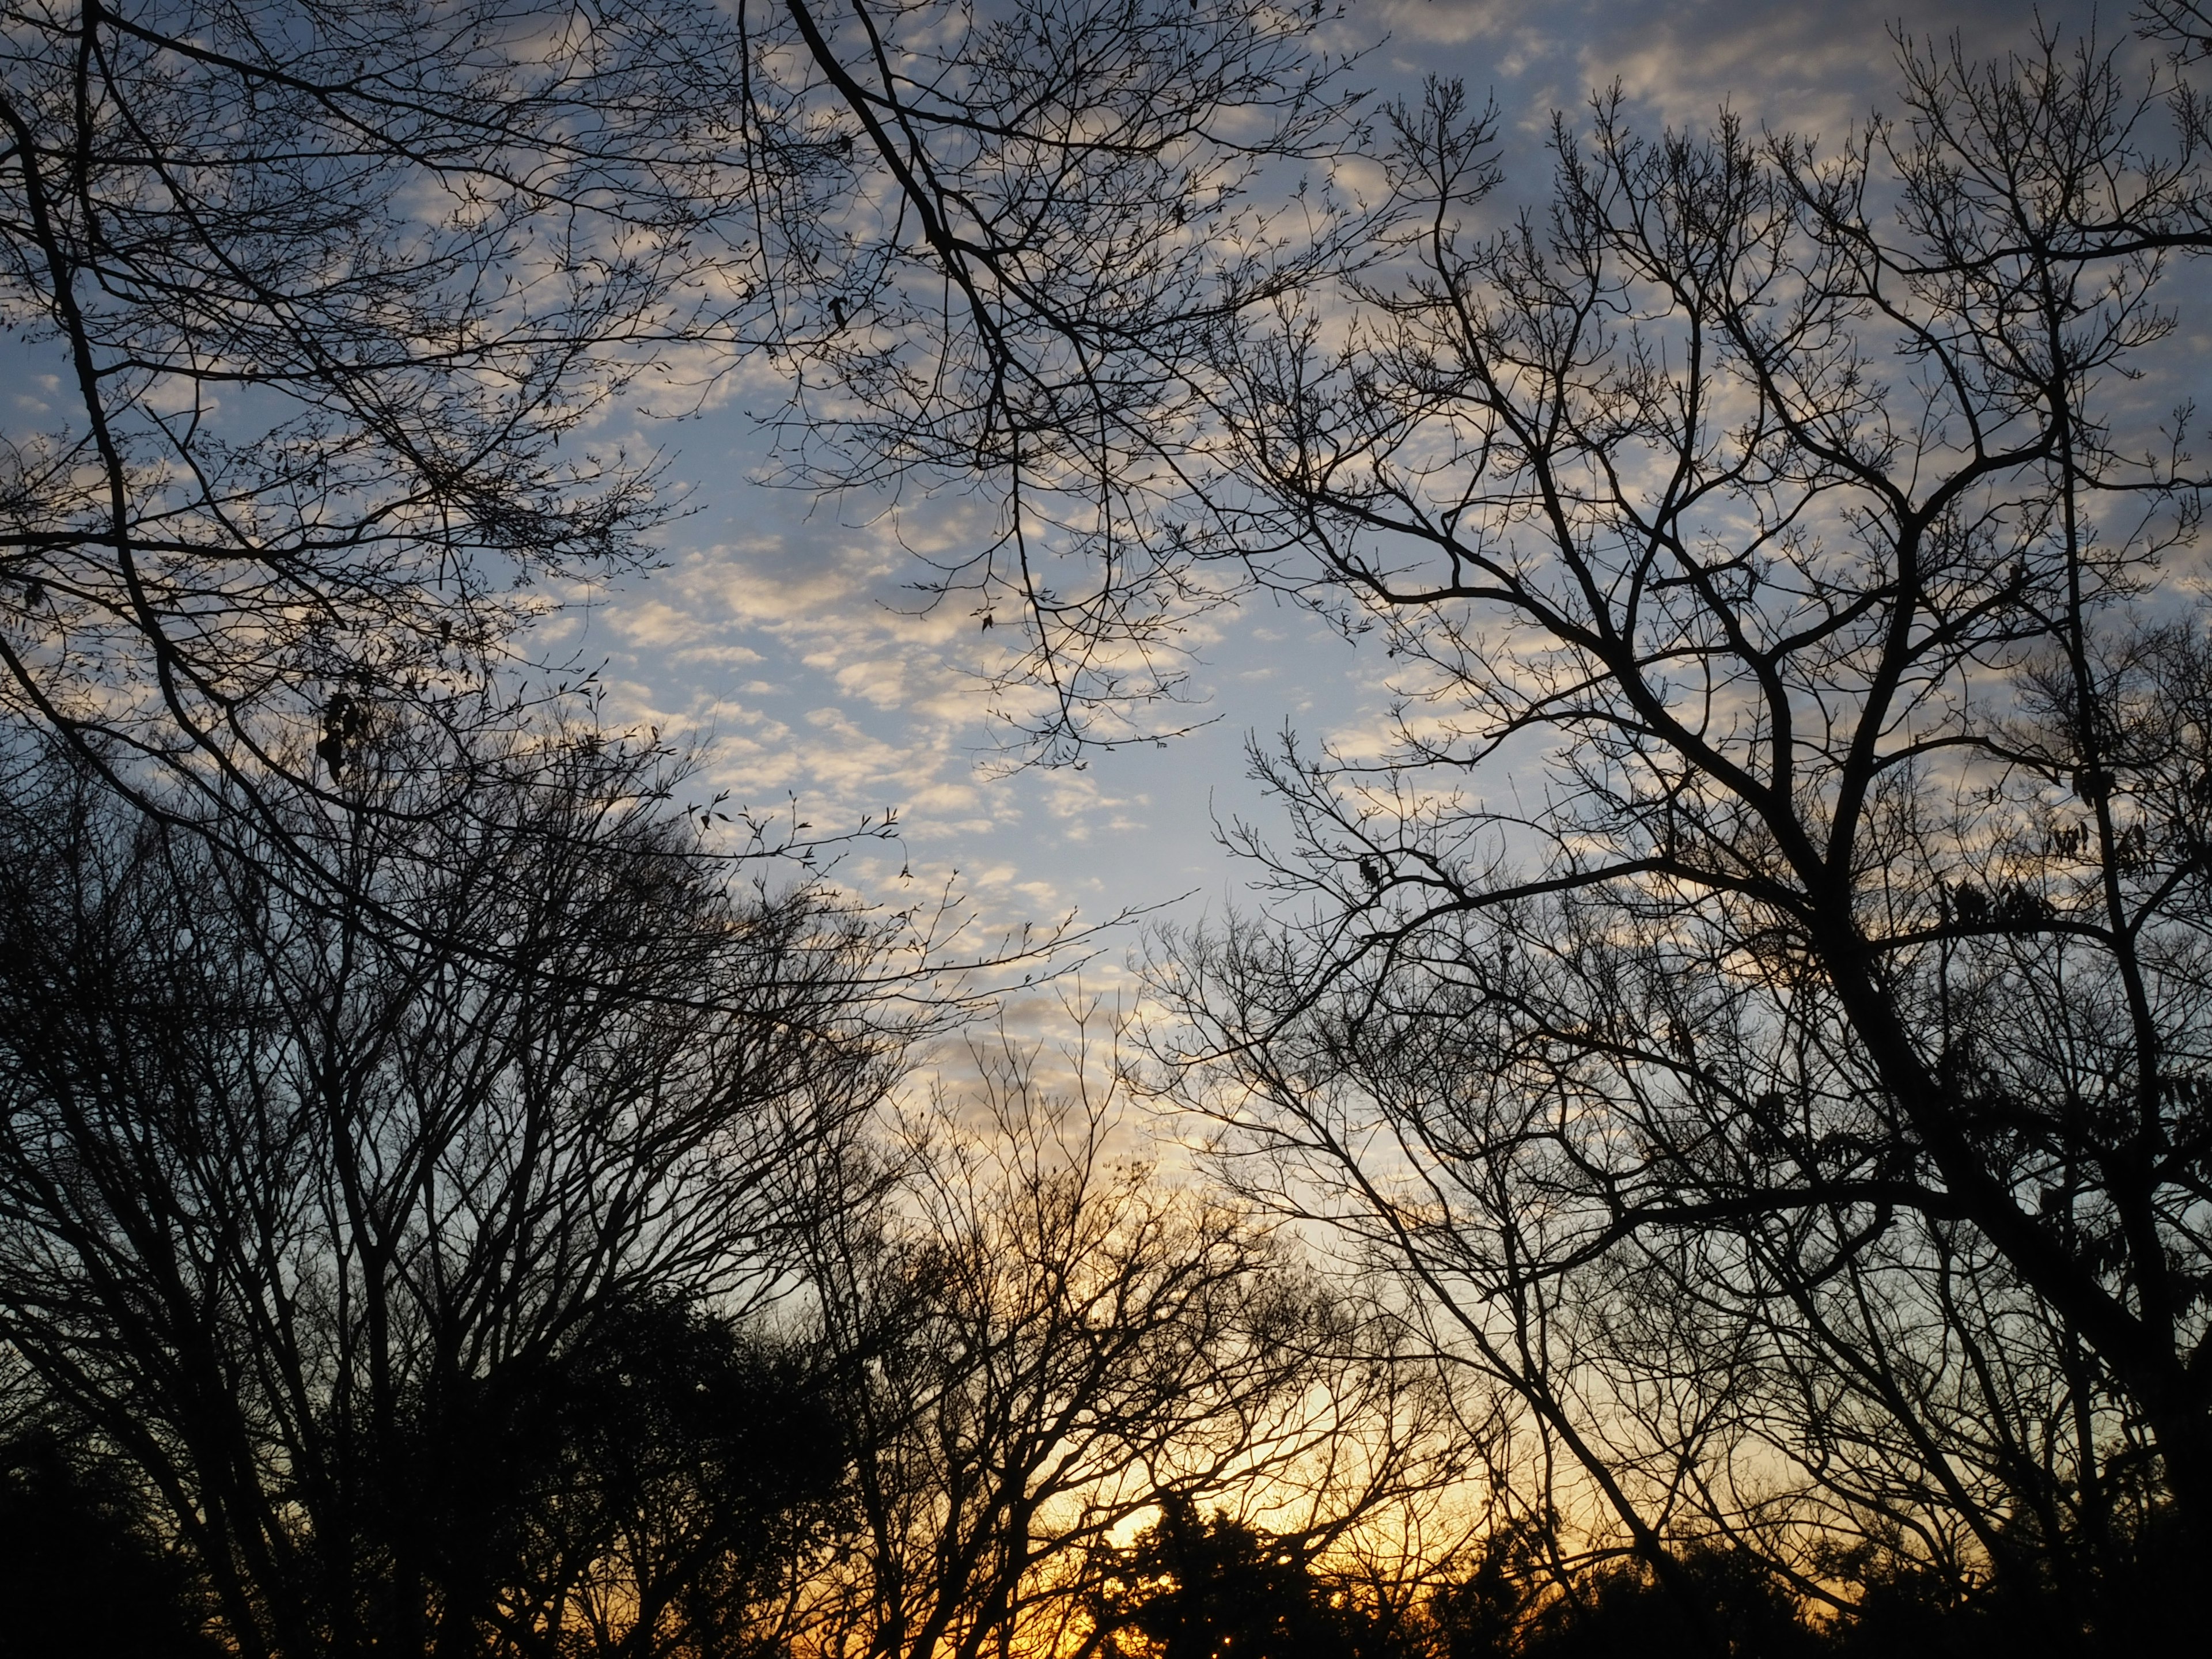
x,y
525,1250
542,1248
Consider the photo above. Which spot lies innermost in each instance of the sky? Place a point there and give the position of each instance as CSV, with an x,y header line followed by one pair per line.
x,y
784,630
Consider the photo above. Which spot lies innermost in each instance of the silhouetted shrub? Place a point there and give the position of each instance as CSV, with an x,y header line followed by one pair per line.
x,y
83,1575
1712,1603
1194,1589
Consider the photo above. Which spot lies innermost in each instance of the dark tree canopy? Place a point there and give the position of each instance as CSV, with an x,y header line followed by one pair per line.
x,y
316,1223
1198,1587
83,1568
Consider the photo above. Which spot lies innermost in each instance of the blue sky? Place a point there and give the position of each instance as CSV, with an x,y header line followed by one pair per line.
x,y
784,630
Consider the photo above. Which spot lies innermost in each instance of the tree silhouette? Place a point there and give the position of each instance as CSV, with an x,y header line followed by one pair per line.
x,y
670,1486
1804,1077
1032,1336
82,1568
315,1226
333,293
1737,1609
1196,1588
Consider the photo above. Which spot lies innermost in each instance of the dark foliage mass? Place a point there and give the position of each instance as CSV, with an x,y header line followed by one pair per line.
x,y
83,1568
1193,1588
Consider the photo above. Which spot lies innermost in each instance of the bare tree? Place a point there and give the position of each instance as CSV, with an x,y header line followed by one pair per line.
x,y
1044,1340
334,292
1821,1008
326,286
317,1223
339,1143
1096,186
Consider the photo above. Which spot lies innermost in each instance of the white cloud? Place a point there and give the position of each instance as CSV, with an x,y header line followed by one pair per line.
x,y
791,632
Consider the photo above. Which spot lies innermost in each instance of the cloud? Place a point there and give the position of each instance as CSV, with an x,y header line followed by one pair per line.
x,y
792,632
1808,67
